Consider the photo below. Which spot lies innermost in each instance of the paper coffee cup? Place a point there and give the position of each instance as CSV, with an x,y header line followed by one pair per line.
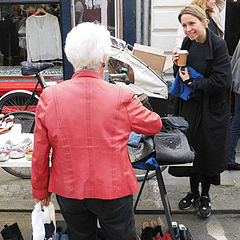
x,y
182,61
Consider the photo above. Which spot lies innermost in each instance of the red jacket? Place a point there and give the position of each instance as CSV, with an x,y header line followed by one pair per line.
x,y
87,122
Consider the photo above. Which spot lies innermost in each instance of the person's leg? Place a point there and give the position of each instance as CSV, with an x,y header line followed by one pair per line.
x,y
234,136
205,202
116,217
81,223
192,197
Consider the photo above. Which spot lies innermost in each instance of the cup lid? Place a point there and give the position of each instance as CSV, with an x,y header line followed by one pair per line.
x,y
183,51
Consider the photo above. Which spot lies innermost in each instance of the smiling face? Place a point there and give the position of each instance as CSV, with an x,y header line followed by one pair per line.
x,y
193,27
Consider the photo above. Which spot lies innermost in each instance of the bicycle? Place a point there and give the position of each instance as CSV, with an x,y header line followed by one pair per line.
x,y
22,104
23,100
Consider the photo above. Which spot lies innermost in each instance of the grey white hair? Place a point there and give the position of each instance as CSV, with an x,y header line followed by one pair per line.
x,y
87,45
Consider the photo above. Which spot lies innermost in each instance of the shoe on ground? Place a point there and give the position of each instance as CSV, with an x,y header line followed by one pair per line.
x,y
5,151
204,210
184,233
190,199
157,229
19,150
147,231
234,166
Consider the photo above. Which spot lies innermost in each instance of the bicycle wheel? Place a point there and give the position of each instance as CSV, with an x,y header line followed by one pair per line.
x,y
17,100
140,174
27,120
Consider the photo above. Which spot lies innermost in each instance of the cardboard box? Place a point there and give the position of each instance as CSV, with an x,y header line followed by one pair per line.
x,y
153,57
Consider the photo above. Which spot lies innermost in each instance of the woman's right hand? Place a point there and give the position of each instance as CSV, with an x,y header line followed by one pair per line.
x,y
175,56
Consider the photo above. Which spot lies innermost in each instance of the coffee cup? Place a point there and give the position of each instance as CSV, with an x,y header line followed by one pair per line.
x,y
182,60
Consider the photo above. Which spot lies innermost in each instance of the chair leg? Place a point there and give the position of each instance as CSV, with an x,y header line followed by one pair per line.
x,y
165,201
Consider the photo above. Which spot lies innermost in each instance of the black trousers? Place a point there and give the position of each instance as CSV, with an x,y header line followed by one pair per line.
x,y
115,216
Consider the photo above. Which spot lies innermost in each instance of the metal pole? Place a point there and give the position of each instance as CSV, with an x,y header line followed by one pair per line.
x,y
146,7
139,21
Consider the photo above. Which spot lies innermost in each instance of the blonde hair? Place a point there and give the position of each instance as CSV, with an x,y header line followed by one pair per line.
x,y
195,11
203,5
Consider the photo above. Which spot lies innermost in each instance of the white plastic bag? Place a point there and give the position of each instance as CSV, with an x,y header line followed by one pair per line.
x,y
40,216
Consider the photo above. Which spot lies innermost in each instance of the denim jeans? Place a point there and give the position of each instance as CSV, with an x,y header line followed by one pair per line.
x,y
235,130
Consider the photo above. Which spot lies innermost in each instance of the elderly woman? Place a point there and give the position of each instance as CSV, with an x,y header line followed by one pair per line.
x,y
87,122
208,108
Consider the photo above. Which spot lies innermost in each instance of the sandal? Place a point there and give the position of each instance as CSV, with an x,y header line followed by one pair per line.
x,y
1,119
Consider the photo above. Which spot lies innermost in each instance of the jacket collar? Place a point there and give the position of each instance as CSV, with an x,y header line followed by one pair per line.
x,y
209,51
86,73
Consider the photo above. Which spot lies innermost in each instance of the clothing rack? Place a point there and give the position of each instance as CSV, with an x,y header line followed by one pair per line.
x,y
163,196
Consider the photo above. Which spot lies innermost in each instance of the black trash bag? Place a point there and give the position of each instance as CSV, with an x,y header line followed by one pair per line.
x,y
11,232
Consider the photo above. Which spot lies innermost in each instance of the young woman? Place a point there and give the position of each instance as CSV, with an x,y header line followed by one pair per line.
x,y
213,9
208,109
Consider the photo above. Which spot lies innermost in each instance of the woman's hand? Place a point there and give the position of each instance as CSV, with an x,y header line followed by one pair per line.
x,y
175,56
44,202
184,74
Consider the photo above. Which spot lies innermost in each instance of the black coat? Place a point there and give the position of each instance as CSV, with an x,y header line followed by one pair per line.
x,y
208,110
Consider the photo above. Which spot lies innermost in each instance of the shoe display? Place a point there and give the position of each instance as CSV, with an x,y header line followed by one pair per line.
x,y
205,207
190,199
234,166
19,150
5,151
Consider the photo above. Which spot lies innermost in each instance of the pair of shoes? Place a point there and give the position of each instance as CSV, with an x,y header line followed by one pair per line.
x,y
204,210
6,124
19,150
234,166
190,199
5,151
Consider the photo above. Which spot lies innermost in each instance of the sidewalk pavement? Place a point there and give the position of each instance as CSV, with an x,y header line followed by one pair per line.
x,y
16,202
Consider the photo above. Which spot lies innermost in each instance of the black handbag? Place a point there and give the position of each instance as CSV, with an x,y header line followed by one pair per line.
x,y
171,144
11,232
144,150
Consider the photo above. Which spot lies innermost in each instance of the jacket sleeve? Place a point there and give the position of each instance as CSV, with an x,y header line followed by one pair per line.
x,y
220,76
40,159
141,119
220,4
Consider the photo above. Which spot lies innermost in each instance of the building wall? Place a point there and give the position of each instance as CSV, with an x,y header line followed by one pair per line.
x,y
164,23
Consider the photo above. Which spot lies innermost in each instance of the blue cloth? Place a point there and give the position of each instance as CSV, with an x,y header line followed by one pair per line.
x,y
179,88
150,164
134,139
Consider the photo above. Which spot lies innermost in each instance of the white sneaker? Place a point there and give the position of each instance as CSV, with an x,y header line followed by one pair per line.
x,y
5,151
19,150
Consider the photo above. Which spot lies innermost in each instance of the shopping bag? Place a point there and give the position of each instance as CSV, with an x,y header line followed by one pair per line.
x,y
11,232
43,222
